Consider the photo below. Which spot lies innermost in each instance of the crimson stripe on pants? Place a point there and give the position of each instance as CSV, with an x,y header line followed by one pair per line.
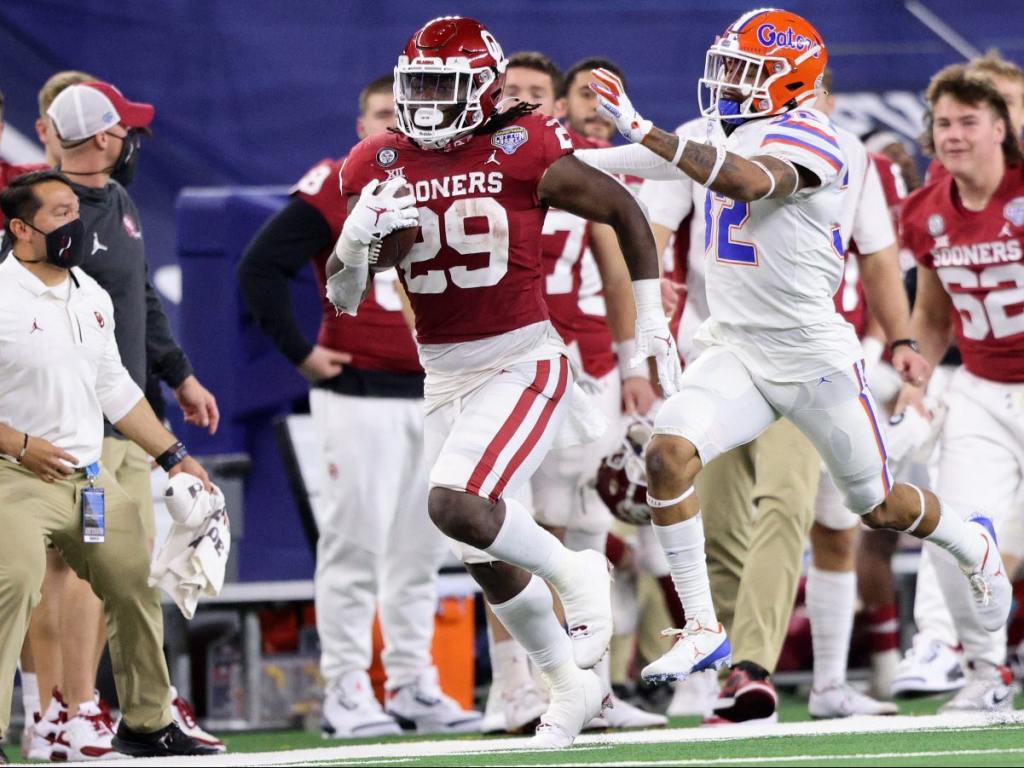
x,y
508,429
538,429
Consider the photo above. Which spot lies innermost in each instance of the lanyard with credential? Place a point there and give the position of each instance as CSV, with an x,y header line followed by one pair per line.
x,y
94,523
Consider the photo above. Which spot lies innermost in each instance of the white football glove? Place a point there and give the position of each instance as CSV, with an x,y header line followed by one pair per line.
x,y
614,104
653,337
378,212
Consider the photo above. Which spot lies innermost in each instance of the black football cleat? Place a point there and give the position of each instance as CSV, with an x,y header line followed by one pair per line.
x,y
167,742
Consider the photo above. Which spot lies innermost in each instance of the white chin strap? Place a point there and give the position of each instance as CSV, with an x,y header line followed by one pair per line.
x,y
654,503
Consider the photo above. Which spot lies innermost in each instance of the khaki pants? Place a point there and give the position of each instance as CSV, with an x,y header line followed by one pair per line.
x,y
130,466
33,513
757,502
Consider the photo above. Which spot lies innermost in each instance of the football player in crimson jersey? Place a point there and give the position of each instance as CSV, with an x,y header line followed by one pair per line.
x,y
775,344
376,545
498,386
8,170
966,230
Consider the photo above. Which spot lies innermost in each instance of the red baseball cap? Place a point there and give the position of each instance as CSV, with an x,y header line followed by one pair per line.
x,y
134,114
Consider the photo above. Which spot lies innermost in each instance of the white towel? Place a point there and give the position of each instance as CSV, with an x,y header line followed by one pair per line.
x,y
192,560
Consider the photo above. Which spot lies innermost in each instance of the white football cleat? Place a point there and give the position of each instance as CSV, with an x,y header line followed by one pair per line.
x,y
694,695
185,717
351,710
524,706
493,720
88,735
989,688
574,703
621,715
992,591
586,596
929,666
423,707
47,731
840,700
697,648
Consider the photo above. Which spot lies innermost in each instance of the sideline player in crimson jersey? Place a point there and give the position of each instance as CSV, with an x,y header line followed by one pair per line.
x,y
562,501
376,545
775,344
8,170
966,229
498,387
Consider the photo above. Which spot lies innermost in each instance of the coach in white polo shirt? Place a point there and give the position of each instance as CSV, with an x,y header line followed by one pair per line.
x,y
60,374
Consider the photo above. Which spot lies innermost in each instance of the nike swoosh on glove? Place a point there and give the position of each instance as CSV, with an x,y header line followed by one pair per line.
x,y
614,104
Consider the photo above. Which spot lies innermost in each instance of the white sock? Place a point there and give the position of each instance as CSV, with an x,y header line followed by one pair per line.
x,y
578,541
830,598
510,666
530,619
603,669
30,695
954,535
683,544
524,543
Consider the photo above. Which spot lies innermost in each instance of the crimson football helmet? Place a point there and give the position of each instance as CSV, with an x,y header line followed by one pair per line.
x,y
622,477
767,62
448,80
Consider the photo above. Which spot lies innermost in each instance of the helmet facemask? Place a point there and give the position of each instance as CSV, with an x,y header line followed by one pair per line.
x,y
440,100
738,85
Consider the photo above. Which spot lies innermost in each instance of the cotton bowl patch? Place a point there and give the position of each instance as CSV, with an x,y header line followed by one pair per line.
x,y
508,140
1014,211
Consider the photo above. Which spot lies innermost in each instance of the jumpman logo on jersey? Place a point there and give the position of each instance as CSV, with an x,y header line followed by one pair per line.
x,y
493,158
97,246
824,380
1005,231
35,327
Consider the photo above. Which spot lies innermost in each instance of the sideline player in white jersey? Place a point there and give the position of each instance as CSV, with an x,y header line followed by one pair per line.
x,y
966,230
775,345
498,388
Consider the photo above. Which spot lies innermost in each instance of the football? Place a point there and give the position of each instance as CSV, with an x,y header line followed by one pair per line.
x,y
392,249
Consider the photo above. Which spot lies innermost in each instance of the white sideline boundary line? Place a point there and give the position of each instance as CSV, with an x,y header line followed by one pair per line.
x,y
406,751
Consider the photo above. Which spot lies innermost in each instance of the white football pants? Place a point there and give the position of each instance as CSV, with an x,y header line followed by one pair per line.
x,y
378,548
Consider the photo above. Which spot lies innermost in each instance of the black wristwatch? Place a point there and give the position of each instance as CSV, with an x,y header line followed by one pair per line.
x,y
172,457
912,343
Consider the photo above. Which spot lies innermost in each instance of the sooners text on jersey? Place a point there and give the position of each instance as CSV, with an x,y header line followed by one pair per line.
x,y
475,270
979,256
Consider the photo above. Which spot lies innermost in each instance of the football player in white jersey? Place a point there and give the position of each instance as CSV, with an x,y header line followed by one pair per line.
x,y
775,345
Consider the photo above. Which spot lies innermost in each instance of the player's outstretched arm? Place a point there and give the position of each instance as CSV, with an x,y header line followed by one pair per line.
x,y
720,171
577,188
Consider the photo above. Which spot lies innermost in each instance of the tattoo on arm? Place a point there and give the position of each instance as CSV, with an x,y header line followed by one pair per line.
x,y
738,178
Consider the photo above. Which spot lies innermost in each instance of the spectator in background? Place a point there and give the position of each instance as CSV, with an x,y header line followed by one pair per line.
x,y
59,337
580,103
99,133
377,545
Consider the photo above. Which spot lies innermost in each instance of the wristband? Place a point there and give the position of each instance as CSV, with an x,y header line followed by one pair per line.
x,y
680,147
719,162
625,351
771,178
24,449
172,457
647,294
912,343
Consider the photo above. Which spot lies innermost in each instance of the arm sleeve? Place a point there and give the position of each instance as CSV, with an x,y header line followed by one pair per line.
x,y
667,202
283,246
115,389
166,358
872,224
633,160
